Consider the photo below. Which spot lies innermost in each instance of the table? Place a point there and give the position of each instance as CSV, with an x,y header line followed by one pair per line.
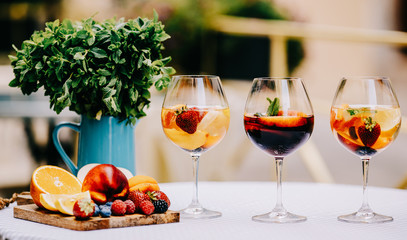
x,y
238,201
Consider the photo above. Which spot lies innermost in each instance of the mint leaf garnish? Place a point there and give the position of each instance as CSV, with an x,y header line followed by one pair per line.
x,y
95,68
274,106
353,111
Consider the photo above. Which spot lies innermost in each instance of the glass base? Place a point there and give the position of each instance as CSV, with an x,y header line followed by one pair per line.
x,y
279,217
361,217
198,213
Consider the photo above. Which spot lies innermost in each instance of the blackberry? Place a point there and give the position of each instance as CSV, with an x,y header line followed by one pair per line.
x,y
160,206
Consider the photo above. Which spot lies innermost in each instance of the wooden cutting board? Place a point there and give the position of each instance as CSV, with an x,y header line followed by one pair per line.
x,y
32,213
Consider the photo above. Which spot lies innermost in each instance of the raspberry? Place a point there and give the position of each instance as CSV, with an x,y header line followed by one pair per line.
x,y
130,207
160,206
137,197
146,207
118,208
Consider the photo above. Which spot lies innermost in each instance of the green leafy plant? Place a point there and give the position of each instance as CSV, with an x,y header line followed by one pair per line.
x,y
95,68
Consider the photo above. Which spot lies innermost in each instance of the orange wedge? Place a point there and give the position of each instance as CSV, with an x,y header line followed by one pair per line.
x,y
53,180
48,200
283,121
65,204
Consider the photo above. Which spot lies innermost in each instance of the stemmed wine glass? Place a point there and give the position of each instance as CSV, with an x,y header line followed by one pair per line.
x,y
365,119
195,116
278,119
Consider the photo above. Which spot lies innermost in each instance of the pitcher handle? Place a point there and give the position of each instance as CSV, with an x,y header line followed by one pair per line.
x,y
58,146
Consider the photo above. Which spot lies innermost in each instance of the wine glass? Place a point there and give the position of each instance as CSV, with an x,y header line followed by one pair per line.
x,y
278,119
195,116
365,119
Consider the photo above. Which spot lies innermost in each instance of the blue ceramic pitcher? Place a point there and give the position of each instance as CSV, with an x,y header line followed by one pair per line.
x,y
100,141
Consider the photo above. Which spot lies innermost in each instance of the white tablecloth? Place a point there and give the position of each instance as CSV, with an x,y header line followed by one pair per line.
x,y
238,201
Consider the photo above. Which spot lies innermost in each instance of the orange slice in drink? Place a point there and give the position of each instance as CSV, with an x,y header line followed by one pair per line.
x,y
283,121
186,140
54,180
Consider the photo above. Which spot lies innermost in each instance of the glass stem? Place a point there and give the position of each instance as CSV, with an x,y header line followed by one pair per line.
x,y
195,160
365,208
279,204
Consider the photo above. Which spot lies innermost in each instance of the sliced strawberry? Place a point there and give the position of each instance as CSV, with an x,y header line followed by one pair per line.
x,y
369,132
188,120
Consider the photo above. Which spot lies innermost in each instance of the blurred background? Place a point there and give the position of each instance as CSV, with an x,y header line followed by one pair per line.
x,y
319,41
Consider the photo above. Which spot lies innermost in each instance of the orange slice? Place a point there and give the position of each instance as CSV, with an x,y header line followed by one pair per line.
x,y
48,200
283,121
54,180
186,140
65,204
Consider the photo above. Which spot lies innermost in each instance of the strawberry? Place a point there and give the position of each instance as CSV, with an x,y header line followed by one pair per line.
x,y
369,132
137,197
146,207
83,208
188,119
159,195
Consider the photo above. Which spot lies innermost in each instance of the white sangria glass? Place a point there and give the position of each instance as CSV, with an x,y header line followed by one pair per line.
x,y
365,119
195,116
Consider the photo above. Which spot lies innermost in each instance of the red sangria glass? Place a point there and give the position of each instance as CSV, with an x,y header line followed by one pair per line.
x,y
278,119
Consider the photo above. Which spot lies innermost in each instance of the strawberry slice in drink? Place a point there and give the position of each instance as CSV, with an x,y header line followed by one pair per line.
x,y
188,118
369,132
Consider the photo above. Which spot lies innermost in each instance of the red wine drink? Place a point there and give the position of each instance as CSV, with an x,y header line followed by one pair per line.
x,y
279,135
